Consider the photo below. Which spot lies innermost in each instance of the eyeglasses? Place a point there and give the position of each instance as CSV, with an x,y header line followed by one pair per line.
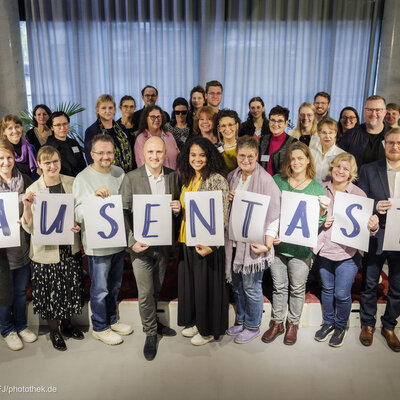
x,y
392,144
227,126
48,164
303,116
155,117
150,95
351,119
376,110
277,121
242,157
103,153
65,125
183,112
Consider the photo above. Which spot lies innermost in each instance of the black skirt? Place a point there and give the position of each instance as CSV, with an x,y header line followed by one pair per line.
x,y
56,288
203,297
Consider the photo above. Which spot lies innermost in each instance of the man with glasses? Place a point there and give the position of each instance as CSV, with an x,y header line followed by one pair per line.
x,y
149,97
380,181
214,91
105,265
365,141
322,102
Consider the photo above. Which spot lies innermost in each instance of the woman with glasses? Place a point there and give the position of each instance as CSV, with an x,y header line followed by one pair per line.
x,y
152,123
257,123
306,128
72,160
127,105
105,112
348,119
246,262
56,270
180,124
274,145
24,152
203,124
38,135
326,150
226,126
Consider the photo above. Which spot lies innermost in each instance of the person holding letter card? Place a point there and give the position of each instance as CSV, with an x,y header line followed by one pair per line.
x,y
202,289
56,270
338,264
292,262
246,262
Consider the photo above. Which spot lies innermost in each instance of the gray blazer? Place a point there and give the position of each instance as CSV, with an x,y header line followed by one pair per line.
x,y
137,182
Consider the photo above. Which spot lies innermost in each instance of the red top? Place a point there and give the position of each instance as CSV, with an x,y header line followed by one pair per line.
x,y
275,143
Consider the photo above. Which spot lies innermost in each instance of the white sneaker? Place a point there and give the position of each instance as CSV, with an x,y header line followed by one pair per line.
x,y
121,328
190,332
199,340
13,341
27,336
108,337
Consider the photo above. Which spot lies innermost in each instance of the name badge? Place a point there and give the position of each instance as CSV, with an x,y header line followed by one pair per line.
x,y
265,157
221,149
75,149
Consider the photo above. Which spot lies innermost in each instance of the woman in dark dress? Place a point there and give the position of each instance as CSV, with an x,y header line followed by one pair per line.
x,y
127,105
38,135
202,288
72,160
56,270
24,152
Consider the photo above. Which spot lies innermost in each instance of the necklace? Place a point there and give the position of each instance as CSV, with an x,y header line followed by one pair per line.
x,y
232,146
294,187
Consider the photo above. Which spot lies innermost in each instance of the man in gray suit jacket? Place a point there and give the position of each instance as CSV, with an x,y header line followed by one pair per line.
x,y
378,180
149,263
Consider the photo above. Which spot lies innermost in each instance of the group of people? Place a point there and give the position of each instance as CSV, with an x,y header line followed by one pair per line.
x,y
201,148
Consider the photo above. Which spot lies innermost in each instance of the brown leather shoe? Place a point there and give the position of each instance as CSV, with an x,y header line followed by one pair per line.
x,y
273,332
391,339
291,334
367,335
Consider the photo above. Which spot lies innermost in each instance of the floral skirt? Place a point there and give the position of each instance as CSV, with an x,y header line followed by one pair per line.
x,y
57,288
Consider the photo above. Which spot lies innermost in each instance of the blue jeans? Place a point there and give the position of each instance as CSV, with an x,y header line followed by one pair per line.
x,y
106,276
337,279
247,289
13,318
371,270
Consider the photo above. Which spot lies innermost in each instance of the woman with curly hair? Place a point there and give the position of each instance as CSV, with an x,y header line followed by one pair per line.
x,y
226,126
202,289
203,124
152,123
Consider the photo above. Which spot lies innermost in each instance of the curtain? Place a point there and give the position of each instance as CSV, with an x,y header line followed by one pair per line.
x,y
282,50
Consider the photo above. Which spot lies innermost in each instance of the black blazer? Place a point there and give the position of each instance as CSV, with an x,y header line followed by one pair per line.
x,y
374,181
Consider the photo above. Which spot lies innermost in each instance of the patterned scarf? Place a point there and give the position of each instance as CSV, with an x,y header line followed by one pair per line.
x,y
123,150
27,155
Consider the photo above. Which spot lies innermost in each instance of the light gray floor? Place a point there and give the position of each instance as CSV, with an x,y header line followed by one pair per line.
x,y
219,370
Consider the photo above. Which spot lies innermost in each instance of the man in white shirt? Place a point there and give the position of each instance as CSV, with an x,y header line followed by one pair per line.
x,y
149,262
105,265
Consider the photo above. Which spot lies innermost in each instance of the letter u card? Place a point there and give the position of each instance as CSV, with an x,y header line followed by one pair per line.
x,y
350,226
53,218
152,219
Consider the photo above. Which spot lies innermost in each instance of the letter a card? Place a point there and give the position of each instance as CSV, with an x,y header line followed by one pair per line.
x,y
299,219
104,222
53,218
350,226
248,215
152,219
9,216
